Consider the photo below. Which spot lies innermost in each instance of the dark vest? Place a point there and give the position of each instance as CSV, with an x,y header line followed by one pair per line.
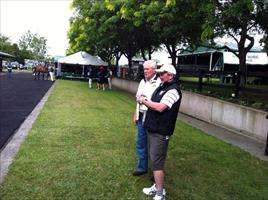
x,y
163,122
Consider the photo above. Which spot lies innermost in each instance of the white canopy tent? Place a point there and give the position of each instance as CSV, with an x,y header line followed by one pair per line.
x,y
252,58
81,58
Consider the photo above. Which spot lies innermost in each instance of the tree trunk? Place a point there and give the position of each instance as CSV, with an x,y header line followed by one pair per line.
x,y
116,62
172,52
129,58
243,55
173,58
242,68
143,54
150,51
150,55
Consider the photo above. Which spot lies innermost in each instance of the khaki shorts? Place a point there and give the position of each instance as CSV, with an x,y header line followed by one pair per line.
x,y
158,145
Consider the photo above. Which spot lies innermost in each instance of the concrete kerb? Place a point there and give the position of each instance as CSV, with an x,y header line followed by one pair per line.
x,y
8,154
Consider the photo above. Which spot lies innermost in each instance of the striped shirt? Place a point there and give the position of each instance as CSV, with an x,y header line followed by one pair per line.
x,y
170,98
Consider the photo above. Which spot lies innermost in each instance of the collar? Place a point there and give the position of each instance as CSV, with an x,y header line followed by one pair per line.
x,y
152,80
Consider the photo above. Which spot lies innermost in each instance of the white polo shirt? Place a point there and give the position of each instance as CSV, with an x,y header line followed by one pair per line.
x,y
146,88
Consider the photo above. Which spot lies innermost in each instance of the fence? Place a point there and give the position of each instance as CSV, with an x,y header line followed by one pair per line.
x,y
256,82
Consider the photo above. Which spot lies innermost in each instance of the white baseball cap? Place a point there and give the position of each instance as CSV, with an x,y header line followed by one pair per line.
x,y
167,68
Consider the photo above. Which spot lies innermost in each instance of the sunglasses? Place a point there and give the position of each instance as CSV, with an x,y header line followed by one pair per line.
x,y
162,73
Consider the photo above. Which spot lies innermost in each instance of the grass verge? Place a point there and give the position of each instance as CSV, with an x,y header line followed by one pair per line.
x,y
82,146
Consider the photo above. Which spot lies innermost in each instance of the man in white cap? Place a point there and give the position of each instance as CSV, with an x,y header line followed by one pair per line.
x,y
159,123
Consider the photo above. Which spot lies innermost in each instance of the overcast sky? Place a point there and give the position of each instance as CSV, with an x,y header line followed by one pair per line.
x,y
48,18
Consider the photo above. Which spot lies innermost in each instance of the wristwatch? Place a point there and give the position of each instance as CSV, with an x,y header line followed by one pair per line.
x,y
144,99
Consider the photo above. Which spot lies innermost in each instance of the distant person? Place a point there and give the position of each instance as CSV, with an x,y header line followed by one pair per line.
x,y
51,72
101,80
109,76
146,88
159,123
90,76
9,69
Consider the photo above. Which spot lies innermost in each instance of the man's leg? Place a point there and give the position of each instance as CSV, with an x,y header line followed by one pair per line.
x,y
110,83
51,76
158,145
159,181
90,83
141,147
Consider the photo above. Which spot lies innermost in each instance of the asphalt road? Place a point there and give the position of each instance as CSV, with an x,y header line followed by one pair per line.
x,y
18,97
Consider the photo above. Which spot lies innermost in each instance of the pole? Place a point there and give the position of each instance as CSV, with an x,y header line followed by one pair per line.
x,y
200,79
237,84
266,147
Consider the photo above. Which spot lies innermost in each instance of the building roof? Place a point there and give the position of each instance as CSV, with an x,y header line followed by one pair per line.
x,y
204,49
6,55
201,50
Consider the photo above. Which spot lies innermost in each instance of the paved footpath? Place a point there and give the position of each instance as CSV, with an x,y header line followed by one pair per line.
x,y
18,97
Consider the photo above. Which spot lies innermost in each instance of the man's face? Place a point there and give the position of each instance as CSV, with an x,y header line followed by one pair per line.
x,y
149,72
165,77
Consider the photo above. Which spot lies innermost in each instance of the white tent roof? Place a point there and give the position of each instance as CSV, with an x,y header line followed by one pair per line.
x,y
82,58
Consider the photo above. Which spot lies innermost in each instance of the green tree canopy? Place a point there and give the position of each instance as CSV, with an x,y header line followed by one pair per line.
x,y
33,43
130,27
8,47
113,27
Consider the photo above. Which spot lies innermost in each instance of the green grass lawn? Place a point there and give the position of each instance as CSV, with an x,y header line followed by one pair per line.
x,y
82,146
204,80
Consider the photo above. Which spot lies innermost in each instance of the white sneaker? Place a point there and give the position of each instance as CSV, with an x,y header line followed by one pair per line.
x,y
156,197
152,191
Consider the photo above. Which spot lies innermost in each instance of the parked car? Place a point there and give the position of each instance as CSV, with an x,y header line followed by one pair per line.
x,y
21,67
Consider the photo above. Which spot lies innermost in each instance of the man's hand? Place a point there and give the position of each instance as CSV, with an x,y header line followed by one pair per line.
x,y
135,120
140,99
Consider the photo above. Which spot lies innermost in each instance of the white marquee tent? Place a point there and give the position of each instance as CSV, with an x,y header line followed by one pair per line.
x,y
81,58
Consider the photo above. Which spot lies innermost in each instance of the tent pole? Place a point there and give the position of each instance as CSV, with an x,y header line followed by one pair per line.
x,y
83,70
210,61
59,69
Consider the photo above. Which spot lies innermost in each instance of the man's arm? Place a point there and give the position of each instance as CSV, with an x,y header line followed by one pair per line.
x,y
166,102
136,114
159,107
